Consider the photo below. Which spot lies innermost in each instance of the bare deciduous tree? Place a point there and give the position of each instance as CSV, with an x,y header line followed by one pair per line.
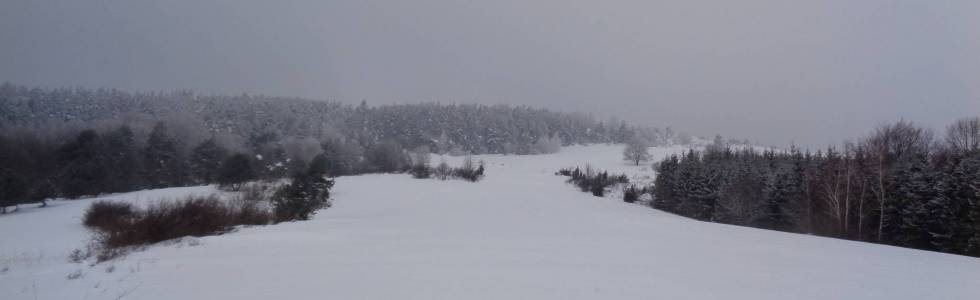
x,y
636,151
889,143
964,134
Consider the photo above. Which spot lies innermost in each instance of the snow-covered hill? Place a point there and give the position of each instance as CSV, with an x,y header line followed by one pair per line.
x,y
521,233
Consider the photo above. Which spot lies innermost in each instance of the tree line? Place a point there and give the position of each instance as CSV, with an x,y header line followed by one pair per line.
x,y
90,162
900,186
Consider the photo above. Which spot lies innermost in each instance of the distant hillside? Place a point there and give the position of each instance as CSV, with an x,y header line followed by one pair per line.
x,y
472,128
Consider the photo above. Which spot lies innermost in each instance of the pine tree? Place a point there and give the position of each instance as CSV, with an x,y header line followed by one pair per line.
x,y
665,185
300,199
205,161
13,187
161,159
236,170
320,166
443,143
82,172
34,160
120,154
623,134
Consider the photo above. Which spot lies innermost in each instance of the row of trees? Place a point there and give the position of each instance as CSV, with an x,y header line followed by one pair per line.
x,y
899,186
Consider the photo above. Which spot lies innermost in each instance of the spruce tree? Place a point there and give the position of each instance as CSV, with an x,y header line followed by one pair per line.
x,y
778,194
916,208
968,185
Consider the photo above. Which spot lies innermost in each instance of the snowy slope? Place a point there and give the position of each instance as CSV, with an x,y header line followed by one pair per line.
x,y
522,233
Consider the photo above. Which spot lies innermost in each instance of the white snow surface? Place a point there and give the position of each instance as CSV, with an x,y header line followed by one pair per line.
x,y
521,233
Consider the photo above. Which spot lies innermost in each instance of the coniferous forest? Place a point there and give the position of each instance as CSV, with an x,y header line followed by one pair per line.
x,y
902,185
72,142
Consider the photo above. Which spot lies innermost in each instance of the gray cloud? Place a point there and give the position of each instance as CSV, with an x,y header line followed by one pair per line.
x,y
812,72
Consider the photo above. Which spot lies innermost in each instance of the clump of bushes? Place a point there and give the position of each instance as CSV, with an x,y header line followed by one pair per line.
x,y
591,181
469,171
105,215
118,225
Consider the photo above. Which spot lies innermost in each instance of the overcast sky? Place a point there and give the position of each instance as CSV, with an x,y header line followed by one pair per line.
x,y
813,72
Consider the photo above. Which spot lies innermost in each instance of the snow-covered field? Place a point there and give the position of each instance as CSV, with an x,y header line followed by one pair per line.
x,y
521,233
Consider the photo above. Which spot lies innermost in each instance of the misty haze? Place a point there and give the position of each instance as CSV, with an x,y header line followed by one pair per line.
x,y
506,149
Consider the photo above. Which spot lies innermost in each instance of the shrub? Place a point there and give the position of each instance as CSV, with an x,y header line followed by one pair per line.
x,y
118,225
631,194
420,171
251,213
106,215
468,172
598,190
169,220
443,171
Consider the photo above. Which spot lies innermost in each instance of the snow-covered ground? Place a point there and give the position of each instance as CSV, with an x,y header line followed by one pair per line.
x,y
521,233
